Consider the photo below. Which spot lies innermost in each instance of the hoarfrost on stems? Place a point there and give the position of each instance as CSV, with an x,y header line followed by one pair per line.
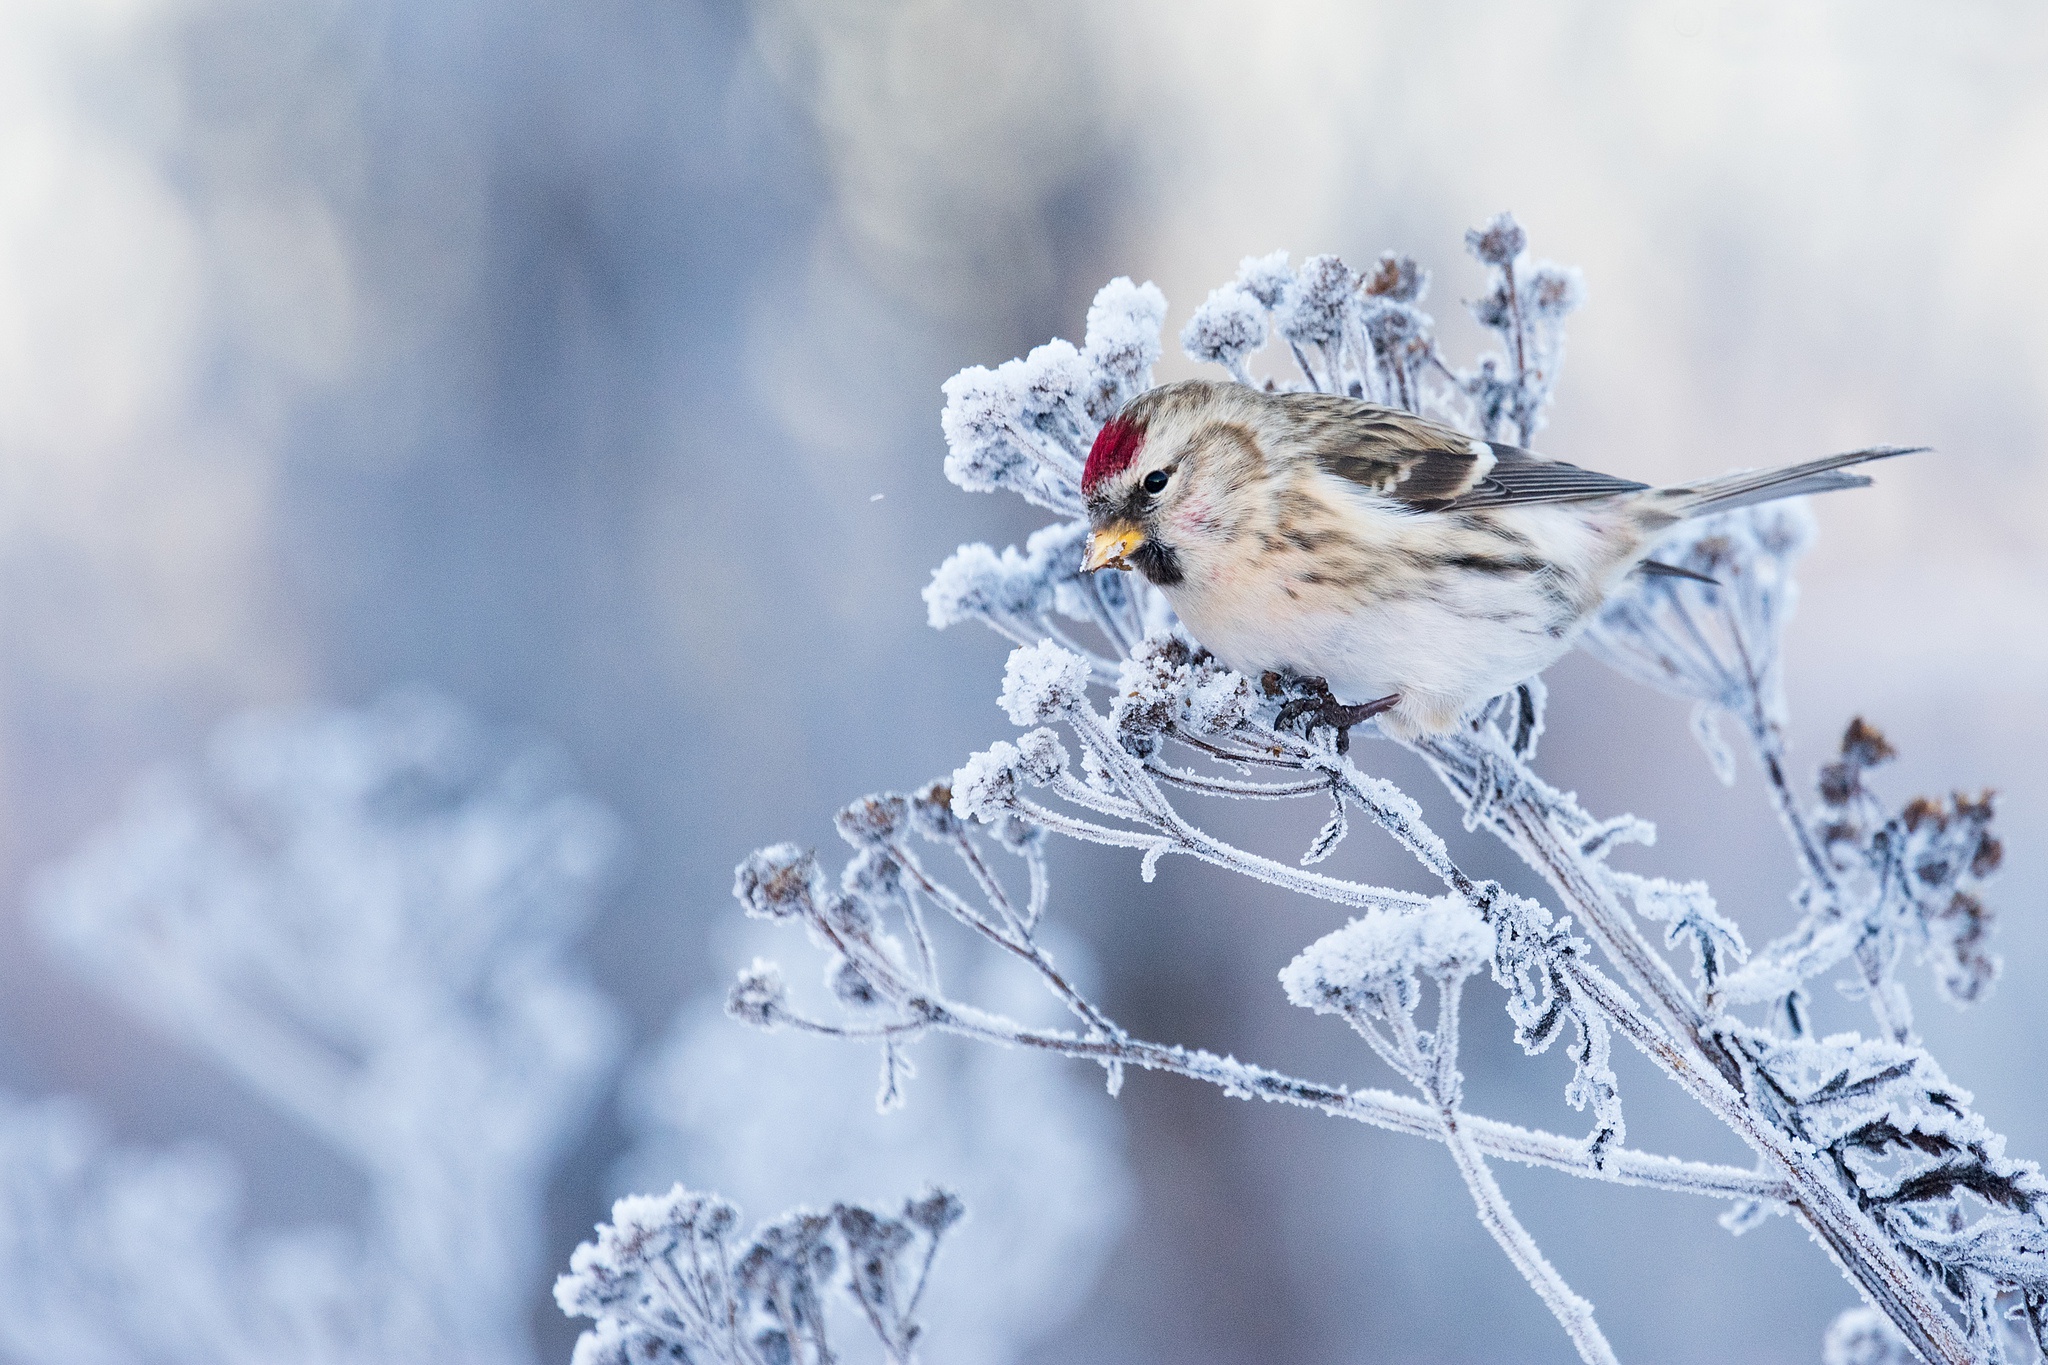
x,y
1397,279
1123,341
1499,241
1383,951
770,1118
1042,681
667,1279
1226,330
1863,1140
1269,279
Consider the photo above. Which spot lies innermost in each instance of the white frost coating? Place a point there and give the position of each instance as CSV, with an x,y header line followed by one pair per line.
x,y
1451,939
1163,683
777,882
1500,240
1269,279
1555,291
669,1279
976,422
1862,1140
1023,594
1054,383
1040,756
974,581
759,995
1321,302
1043,682
985,786
997,437
1123,334
1229,326
1034,1150
1383,946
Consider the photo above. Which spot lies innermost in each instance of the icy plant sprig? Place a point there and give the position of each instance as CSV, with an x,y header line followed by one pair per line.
x,y
1872,1150
665,1281
886,994
1367,973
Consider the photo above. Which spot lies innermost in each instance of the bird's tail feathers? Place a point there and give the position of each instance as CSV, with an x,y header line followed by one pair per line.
x,y
1751,486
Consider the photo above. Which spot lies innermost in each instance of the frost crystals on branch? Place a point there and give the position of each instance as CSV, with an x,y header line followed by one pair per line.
x,y
665,1280
1864,1141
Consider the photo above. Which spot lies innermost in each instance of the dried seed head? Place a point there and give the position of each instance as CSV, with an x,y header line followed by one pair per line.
x,y
1498,241
872,819
1553,292
1921,811
778,882
1838,783
849,986
931,813
759,995
936,1211
1864,745
1396,278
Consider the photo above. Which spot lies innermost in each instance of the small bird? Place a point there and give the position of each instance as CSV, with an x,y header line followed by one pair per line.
x,y
1415,570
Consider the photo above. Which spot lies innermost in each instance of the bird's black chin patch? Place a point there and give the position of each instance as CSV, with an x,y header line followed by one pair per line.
x,y
1157,562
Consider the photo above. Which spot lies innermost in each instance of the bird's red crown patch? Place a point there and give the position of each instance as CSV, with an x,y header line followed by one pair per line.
x,y
1116,445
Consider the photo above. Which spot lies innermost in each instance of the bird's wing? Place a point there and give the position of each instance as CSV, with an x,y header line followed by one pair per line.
x,y
1521,476
1431,467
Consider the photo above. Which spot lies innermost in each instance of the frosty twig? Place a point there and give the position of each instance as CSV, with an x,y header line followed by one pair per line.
x,y
1864,1140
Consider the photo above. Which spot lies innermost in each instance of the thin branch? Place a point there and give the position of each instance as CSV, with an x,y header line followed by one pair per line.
x,y
1575,1314
1379,1108
1017,945
1435,1072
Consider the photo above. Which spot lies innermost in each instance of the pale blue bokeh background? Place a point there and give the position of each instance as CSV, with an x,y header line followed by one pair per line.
x,y
553,356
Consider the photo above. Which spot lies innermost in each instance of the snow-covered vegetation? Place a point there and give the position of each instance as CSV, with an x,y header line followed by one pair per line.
x,y
1863,1139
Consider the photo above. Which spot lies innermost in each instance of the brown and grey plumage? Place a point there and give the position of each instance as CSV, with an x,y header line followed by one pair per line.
x,y
1379,550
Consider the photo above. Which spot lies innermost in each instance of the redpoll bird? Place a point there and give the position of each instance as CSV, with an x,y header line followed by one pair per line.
x,y
1417,570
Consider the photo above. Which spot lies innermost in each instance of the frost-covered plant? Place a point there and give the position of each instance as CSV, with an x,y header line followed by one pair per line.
x,y
665,1281
1863,1140
365,916
767,1119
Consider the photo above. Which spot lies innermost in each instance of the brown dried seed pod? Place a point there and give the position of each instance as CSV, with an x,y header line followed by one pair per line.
x,y
1864,745
1920,811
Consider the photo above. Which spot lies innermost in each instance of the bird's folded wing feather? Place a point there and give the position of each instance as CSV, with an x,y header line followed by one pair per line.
x,y
1431,467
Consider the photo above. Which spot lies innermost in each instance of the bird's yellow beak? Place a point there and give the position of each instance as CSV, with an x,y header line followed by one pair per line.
x,y
1108,546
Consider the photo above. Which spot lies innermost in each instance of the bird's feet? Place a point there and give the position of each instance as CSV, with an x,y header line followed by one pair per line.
x,y
1308,704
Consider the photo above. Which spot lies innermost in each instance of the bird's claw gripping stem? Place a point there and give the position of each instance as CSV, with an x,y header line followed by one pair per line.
x,y
1312,705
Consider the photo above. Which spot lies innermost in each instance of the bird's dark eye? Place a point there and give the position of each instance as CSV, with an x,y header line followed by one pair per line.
x,y
1155,482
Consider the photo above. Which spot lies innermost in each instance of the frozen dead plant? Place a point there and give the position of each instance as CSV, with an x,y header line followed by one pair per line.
x,y
667,1279
1861,1138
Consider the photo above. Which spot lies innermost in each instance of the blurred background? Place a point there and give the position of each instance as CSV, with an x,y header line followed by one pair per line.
x,y
581,363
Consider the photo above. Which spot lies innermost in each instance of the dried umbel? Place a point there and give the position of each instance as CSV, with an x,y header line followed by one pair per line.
x,y
668,1279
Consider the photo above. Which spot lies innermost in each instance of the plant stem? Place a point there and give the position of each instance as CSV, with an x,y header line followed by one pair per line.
x,y
1692,1057
1572,1312
1380,1108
